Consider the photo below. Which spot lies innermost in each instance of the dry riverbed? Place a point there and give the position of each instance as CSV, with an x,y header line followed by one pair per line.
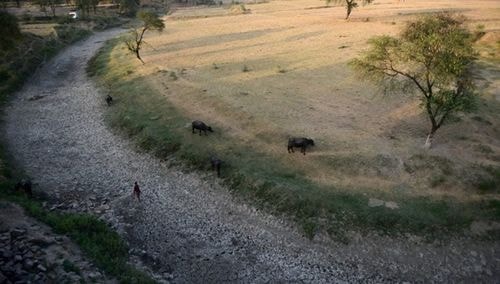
x,y
188,228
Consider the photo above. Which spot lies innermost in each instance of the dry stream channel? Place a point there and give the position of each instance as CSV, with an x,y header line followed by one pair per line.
x,y
187,228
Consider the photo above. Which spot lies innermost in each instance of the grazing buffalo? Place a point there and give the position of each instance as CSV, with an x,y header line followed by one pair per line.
x,y
216,163
301,143
24,186
109,100
201,126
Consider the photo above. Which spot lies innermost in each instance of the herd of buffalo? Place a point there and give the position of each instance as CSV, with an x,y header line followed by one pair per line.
x,y
293,142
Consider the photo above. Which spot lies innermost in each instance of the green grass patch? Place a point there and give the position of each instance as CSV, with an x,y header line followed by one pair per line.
x,y
157,126
102,245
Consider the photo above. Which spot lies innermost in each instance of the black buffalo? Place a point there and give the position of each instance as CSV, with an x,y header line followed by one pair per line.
x,y
301,143
201,126
216,163
109,100
24,186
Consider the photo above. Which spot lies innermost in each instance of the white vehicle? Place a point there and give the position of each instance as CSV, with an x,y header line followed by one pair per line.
x,y
73,14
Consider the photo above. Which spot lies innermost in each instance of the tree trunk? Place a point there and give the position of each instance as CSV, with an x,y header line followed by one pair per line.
x,y
349,10
138,56
430,137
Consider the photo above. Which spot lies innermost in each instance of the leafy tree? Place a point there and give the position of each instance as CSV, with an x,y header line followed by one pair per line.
x,y
150,22
432,58
129,7
349,4
9,30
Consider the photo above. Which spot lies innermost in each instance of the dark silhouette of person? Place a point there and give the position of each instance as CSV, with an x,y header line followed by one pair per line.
x,y
137,191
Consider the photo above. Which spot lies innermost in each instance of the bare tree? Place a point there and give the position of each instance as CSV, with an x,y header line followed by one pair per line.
x,y
349,4
151,21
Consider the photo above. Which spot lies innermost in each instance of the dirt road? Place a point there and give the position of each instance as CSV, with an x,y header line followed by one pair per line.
x,y
187,228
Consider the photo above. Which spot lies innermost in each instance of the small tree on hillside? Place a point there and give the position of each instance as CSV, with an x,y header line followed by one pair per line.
x,y
349,4
433,58
150,22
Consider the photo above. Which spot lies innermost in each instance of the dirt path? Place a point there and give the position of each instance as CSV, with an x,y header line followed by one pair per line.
x,y
187,228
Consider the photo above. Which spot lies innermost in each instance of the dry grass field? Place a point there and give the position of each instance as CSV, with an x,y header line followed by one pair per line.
x,y
298,84
280,70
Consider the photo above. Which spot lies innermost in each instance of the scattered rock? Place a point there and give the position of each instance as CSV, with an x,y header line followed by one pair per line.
x,y
373,202
42,242
37,97
391,205
28,264
15,233
41,268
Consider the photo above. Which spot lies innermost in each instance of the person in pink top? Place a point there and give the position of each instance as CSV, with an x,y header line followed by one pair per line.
x,y
137,191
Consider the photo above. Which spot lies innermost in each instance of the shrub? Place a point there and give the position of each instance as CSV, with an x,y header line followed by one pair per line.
x,y
9,30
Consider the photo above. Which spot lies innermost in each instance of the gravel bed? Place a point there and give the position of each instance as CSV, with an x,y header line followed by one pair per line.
x,y
187,228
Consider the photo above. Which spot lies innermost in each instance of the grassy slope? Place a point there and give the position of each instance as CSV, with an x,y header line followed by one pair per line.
x,y
96,239
156,125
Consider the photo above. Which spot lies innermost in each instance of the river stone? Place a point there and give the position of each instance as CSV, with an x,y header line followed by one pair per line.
x,y
15,233
391,205
373,202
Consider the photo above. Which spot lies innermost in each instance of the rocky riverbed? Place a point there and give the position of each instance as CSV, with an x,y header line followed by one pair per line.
x,y
188,228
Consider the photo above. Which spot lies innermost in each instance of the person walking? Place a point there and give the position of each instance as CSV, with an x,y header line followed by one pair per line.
x,y
137,191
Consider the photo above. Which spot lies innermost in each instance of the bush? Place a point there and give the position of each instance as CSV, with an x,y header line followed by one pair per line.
x,y
9,30
70,33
